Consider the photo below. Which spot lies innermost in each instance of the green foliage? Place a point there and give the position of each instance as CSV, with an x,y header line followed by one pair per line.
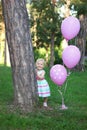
x,y
58,59
47,21
75,118
41,52
1,17
78,1
84,1
82,9
80,6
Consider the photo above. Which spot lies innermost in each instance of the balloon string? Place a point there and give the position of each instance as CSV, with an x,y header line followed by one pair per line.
x,y
69,73
61,96
61,93
65,87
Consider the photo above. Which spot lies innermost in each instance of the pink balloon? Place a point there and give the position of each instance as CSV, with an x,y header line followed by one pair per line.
x,y
58,74
70,27
71,56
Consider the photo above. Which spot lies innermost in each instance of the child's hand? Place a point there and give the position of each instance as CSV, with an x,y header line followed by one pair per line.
x,y
41,75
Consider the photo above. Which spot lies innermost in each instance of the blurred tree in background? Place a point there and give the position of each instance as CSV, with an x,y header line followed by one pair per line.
x,y
46,17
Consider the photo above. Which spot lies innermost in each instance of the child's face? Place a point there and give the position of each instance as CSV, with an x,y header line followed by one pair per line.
x,y
40,65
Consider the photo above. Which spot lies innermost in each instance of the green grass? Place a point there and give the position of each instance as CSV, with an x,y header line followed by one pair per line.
x,y
75,118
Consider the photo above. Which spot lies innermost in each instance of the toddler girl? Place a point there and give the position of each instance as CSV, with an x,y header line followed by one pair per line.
x,y
43,87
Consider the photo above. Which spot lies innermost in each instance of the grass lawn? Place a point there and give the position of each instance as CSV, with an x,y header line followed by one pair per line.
x,y
74,118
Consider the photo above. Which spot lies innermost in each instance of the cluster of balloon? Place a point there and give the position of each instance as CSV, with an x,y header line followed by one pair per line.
x,y
70,27
71,55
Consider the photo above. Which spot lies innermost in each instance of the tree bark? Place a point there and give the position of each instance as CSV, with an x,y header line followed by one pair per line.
x,y
81,40
21,53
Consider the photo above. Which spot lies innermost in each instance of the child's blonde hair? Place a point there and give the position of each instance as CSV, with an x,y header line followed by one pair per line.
x,y
40,59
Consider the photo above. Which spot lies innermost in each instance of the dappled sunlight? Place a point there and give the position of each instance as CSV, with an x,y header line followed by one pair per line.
x,y
2,38
64,44
4,54
42,51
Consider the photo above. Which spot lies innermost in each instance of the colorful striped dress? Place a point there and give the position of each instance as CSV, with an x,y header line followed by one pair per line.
x,y
43,86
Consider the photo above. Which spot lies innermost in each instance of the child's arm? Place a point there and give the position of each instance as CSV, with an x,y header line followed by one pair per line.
x,y
41,75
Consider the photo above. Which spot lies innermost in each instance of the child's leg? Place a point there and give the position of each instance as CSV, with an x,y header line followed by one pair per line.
x,y
45,102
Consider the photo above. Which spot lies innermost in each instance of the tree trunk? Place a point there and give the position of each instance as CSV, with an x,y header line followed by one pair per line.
x,y
52,51
21,53
81,40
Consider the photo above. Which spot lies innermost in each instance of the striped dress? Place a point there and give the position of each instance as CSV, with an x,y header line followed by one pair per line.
x,y
43,87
